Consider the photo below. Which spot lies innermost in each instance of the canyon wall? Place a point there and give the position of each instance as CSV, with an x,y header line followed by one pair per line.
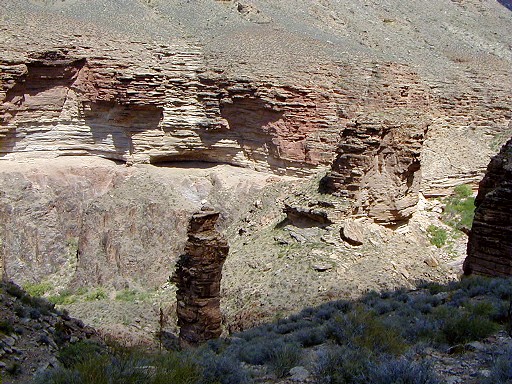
x,y
382,128
490,239
370,122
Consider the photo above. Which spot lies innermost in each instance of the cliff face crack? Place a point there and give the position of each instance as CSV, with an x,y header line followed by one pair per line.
x,y
197,276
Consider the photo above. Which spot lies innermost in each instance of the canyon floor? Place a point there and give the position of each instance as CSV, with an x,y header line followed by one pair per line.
x,y
276,265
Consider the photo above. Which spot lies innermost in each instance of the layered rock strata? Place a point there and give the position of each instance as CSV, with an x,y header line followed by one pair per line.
x,y
197,277
378,167
490,239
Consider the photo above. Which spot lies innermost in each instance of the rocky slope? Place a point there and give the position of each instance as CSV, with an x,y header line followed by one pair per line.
x,y
490,240
119,120
31,333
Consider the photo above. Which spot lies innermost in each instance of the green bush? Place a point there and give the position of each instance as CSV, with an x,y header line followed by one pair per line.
x,y
97,294
437,235
462,328
285,357
64,297
174,368
73,354
363,329
460,208
130,295
38,289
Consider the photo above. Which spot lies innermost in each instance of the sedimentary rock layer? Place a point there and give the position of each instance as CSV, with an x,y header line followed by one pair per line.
x,y
197,277
490,239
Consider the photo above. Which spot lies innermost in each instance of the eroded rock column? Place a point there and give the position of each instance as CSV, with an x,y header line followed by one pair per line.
x,y
197,277
490,239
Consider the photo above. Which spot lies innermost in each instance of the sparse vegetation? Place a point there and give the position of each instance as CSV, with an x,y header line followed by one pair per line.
x,y
458,214
459,210
65,297
437,235
38,289
131,295
377,339
96,294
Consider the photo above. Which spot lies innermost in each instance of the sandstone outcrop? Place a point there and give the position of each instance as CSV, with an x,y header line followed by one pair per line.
x,y
490,239
198,275
378,166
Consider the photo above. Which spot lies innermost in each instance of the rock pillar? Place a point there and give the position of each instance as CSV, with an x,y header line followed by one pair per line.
x,y
490,239
197,277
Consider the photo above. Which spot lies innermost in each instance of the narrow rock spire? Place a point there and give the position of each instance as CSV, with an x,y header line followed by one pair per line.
x,y
198,275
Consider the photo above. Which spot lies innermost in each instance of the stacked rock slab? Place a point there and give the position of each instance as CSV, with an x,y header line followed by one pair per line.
x,y
490,240
198,275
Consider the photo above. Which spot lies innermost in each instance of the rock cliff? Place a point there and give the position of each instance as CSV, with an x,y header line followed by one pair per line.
x,y
490,239
198,275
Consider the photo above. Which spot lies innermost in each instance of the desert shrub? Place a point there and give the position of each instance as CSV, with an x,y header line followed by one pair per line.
x,y
129,369
437,235
341,365
284,357
38,289
501,288
59,375
175,368
252,333
432,287
73,354
459,210
501,371
286,327
310,336
363,329
220,369
21,310
421,329
14,290
383,307
43,305
325,312
461,328
258,351
97,294
400,371
34,313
